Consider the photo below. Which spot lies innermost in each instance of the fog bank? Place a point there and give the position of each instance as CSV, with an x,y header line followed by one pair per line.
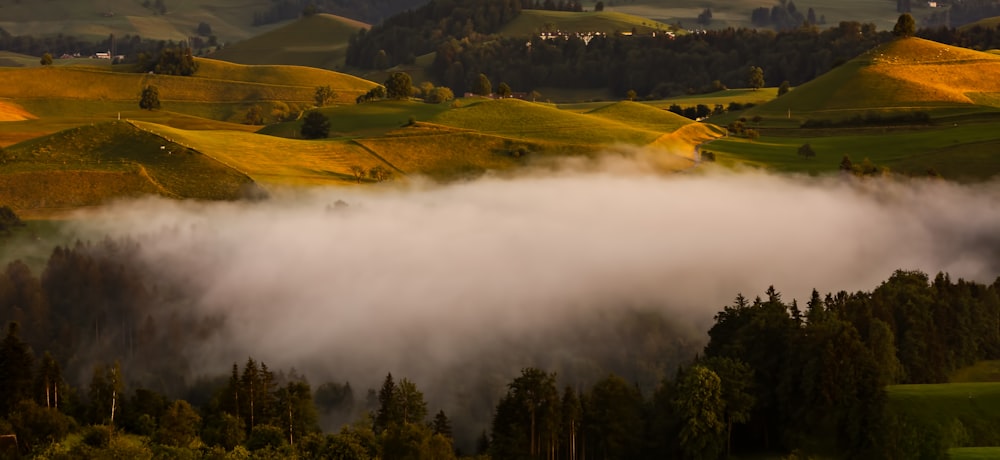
x,y
420,278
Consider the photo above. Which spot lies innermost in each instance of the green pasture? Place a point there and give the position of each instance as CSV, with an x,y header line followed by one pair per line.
x,y
317,41
637,115
974,453
368,119
230,19
987,23
965,151
526,120
736,13
532,22
273,160
904,75
91,164
968,414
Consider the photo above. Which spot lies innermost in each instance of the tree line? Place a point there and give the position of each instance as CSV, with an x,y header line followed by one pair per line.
x,y
773,377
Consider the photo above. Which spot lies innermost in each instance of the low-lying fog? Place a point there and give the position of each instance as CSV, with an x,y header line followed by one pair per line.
x,y
417,279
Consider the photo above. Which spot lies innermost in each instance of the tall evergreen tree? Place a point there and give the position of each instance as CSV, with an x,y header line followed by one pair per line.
x,y
16,369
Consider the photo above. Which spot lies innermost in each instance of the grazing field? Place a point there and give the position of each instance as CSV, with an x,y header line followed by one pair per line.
x,y
229,19
526,120
955,90
974,453
316,41
967,414
272,160
92,164
370,119
963,152
532,22
219,91
904,75
736,13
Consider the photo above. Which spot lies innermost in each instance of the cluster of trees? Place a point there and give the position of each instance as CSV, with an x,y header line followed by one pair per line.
x,y
131,46
654,66
821,371
257,413
399,39
400,86
552,5
773,377
867,168
168,60
872,118
784,16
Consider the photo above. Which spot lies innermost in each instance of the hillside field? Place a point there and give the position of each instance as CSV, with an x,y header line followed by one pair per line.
x,y
318,41
903,75
737,13
230,19
967,414
85,141
532,22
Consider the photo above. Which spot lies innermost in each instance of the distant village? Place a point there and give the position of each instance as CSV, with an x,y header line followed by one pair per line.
x,y
106,55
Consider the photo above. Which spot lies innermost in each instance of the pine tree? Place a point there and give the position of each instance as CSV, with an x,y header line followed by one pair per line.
x,y
16,369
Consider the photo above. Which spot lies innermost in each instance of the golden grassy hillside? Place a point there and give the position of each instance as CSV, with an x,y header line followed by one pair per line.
x,y
910,73
95,163
315,41
10,111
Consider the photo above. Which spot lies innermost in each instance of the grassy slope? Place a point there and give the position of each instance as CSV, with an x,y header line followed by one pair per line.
x,y
905,74
987,23
66,96
95,163
975,405
482,135
525,120
953,84
974,453
230,19
274,160
531,22
370,119
317,41
965,151
736,13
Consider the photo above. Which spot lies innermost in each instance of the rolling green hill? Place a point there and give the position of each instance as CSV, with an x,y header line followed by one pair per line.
x,y
316,41
229,19
96,163
531,22
906,74
963,414
736,13
987,23
218,91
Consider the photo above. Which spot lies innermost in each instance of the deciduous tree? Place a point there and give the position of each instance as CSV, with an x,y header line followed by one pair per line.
x,y
315,125
755,78
399,86
150,98
324,96
482,86
905,26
